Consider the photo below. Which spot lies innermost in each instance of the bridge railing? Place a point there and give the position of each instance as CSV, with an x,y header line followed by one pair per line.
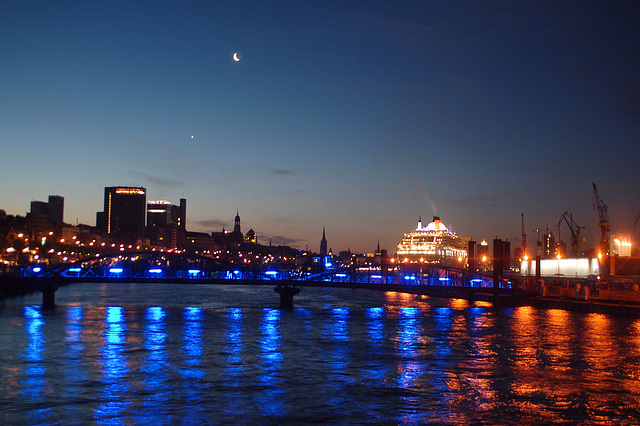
x,y
113,268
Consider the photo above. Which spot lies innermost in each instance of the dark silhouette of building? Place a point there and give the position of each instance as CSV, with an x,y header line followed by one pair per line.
x,y
53,210
236,236
236,223
323,244
181,218
251,236
230,240
162,223
160,213
124,212
181,225
39,207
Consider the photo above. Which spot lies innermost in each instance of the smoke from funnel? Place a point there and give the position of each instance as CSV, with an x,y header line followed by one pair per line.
x,y
429,201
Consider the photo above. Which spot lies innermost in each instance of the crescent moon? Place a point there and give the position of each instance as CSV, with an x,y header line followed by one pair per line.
x,y
236,57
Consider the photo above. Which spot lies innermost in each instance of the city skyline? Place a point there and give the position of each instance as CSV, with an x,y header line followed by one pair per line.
x,y
356,117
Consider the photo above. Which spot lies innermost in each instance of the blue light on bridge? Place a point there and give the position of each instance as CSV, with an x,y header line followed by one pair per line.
x,y
116,270
272,273
155,271
443,279
75,269
341,275
476,282
376,277
36,269
409,277
194,272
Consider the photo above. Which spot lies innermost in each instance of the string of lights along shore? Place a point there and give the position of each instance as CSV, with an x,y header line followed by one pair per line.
x,y
129,221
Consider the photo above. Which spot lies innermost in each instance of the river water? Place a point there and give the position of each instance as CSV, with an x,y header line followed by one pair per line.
x,y
212,354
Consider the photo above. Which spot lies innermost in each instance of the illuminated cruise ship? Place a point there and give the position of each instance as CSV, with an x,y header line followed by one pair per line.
x,y
434,243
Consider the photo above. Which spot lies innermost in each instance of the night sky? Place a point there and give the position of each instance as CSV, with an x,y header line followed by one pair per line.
x,y
358,116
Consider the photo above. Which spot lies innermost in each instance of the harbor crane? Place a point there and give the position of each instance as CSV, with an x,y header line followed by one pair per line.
x,y
603,222
576,238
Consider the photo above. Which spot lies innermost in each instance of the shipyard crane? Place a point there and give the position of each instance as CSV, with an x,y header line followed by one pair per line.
x,y
523,240
576,238
603,222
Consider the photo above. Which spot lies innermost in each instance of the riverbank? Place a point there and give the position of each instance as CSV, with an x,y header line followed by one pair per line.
x,y
620,309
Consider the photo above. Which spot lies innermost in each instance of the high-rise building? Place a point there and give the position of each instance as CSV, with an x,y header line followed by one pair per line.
x,y
124,211
55,210
181,225
39,207
181,218
162,223
159,213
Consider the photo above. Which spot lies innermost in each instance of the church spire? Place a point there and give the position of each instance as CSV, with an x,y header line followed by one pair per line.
x,y
323,244
236,226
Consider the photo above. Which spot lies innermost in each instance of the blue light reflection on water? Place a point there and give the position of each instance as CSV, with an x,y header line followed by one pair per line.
x,y
34,386
441,355
192,342
115,390
193,373
155,369
443,321
234,368
409,336
338,355
411,366
234,341
270,397
375,369
407,362
74,367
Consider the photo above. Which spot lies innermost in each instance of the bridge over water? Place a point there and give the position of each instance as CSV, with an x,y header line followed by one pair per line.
x,y
180,268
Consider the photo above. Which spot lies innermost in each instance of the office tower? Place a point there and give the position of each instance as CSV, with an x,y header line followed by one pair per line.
x,y
159,213
162,223
124,211
55,209
39,207
181,220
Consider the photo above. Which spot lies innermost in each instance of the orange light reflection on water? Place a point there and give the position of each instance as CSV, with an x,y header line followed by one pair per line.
x,y
544,344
